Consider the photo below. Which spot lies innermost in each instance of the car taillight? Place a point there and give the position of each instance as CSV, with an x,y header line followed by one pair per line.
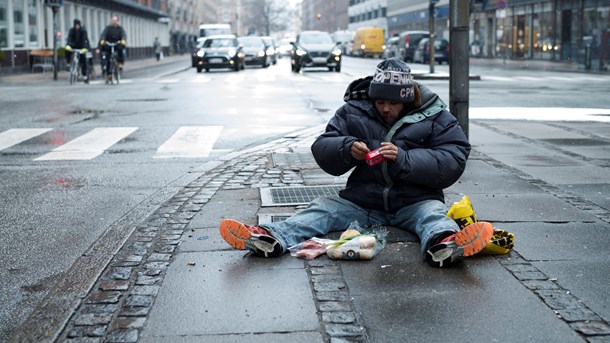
x,y
407,40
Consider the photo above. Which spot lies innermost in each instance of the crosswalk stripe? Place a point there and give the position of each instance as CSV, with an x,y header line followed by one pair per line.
x,y
89,145
190,141
12,137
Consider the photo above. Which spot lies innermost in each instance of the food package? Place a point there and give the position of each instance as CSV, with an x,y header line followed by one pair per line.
x,y
462,212
354,244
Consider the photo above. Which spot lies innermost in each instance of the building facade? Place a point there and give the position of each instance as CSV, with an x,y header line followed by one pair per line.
x,y
28,25
574,31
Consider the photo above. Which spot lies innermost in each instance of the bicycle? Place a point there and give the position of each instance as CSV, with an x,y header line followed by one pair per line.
x,y
110,69
75,66
90,65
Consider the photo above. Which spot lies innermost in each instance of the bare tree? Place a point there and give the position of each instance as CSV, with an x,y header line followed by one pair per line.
x,y
267,16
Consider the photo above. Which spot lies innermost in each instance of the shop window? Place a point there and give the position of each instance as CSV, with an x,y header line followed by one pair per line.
x,y
3,24
32,23
19,24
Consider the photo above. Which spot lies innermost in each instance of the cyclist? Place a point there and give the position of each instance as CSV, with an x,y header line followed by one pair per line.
x,y
78,39
113,33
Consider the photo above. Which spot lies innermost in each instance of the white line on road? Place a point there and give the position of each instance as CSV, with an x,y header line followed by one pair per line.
x,y
190,141
12,137
89,145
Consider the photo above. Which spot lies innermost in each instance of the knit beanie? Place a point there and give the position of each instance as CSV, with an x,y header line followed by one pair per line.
x,y
392,81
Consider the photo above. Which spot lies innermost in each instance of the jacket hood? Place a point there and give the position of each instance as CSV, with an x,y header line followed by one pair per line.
x,y
358,89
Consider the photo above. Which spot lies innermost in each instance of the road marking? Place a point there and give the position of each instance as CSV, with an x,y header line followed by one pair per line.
x,y
12,137
190,141
89,145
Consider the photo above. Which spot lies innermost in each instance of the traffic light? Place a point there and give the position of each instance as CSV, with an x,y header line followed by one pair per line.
x,y
54,3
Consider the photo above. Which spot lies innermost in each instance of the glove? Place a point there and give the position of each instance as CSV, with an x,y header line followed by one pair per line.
x,y
102,42
123,42
68,48
83,50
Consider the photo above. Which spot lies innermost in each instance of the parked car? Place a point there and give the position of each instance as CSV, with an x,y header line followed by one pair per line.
x,y
315,49
222,51
441,51
198,46
271,49
369,42
345,40
255,50
407,43
391,47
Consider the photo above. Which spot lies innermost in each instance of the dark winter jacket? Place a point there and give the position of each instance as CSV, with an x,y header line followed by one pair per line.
x,y
432,150
113,34
78,39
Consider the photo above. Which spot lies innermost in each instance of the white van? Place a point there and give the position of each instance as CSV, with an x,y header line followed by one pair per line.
x,y
206,30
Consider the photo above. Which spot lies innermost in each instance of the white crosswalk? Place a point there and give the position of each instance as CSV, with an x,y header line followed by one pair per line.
x,y
192,141
89,145
186,142
15,136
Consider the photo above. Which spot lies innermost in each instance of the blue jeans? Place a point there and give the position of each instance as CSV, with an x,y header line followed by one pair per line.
x,y
426,219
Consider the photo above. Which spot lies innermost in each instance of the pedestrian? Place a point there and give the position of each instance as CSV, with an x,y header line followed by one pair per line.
x,y
113,33
157,48
425,151
79,40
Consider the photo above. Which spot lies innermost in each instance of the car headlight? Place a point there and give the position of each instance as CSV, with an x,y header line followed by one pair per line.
x,y
301,52
270,50
231,52
362,46
261,53
336,52
200,53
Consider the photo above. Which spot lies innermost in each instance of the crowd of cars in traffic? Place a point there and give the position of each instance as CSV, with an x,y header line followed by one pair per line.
x,y
314,49
410,46
310,49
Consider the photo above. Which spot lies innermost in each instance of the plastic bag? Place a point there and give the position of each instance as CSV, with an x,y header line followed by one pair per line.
x,y
462,212
355,244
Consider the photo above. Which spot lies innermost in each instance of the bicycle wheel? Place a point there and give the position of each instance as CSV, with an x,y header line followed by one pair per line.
x,y
73,72
117,74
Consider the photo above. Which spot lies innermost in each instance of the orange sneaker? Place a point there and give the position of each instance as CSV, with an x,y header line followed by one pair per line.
x,y
258,240
467,242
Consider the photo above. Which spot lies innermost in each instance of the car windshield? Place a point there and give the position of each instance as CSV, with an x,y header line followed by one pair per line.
x,y
316,39
219,43
251,41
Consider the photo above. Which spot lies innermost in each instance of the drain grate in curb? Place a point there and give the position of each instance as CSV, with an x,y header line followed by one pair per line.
x,y
290,196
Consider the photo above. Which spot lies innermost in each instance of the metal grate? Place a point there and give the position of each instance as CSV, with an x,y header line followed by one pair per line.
x,y
269,218
289,196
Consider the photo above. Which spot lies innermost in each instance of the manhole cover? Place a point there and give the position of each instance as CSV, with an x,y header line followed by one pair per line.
x,y
290,196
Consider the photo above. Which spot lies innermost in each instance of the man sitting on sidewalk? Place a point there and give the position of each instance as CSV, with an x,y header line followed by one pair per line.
x,y
425,151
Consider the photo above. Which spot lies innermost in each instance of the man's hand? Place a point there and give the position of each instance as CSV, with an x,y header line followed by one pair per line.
x,y
358,150
389,150
123,42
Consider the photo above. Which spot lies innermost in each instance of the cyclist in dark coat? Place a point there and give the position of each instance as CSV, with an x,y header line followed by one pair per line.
x,y
113,33
424,150
78,40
